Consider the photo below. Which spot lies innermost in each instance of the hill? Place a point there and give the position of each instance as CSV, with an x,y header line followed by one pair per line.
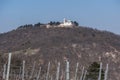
x,y
57,44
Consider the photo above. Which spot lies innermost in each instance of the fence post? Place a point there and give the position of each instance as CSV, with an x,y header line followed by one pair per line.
x,y
39,74
106,73
33,68
8,68
4,72
82,74
48,71
51,77
67,71
100,70
23,70
85,75
58,71
76,71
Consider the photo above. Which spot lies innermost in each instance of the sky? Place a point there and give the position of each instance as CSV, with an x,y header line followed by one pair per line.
x,y
98,14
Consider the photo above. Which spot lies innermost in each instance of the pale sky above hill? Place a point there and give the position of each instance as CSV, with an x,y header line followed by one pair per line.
x,y
100,14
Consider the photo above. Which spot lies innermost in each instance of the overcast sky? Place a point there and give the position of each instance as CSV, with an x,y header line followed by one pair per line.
x,y
100,14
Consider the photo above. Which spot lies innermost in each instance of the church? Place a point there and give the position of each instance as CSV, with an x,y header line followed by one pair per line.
x,y
66,23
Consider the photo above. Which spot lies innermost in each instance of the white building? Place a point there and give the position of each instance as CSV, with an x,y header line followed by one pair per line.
x,y
66,23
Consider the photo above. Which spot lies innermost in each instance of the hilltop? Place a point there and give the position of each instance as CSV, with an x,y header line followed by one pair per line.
x,y
77,44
